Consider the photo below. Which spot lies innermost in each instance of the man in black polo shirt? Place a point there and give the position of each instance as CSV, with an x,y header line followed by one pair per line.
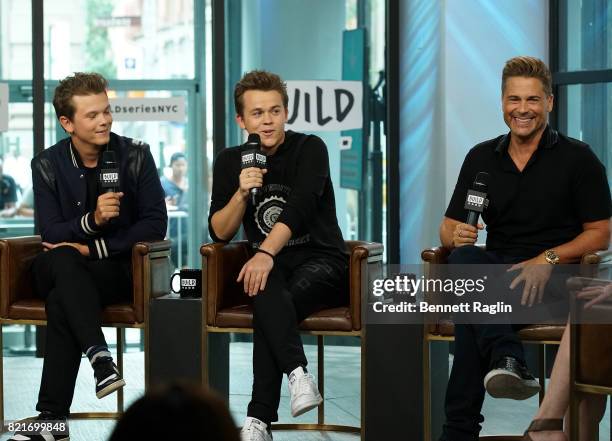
x,y
549,204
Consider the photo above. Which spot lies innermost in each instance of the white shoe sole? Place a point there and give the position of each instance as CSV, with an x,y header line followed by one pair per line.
x,y
306,405
110,388
500,383
67,438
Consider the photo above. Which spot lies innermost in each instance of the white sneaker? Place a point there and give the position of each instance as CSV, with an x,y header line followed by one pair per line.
x,y
255,430
304,393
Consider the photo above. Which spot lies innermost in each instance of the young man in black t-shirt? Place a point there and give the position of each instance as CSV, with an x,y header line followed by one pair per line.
x,y
299,263
549,204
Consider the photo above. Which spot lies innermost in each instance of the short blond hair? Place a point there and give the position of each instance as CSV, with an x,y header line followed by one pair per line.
x,y
259,80
529,67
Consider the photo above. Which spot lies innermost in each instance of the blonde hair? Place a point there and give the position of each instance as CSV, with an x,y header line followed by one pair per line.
x,y
529,67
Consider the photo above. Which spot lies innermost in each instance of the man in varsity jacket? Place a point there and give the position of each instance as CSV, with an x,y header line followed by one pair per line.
x,y
87,235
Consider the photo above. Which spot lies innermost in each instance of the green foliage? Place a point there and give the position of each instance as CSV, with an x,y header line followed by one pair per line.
x,y
99,57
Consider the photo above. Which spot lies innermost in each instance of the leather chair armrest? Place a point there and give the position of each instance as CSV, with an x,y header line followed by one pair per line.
x,y
440,254
16,256
596,257
221,264
435,254
151,271
365,262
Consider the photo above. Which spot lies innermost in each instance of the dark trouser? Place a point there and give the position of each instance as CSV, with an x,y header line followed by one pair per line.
x,y
299,284
75,289
477,346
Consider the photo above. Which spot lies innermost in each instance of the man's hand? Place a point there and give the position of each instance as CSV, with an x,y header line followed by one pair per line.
x,y
251,177
466,234
535,273
107,207
83,249
254,273
597,294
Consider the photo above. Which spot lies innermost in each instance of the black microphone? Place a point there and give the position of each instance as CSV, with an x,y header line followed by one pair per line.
x,y
476,200
252,156
109,172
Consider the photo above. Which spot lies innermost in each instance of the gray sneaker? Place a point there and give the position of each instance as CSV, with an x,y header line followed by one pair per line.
x,y
510,378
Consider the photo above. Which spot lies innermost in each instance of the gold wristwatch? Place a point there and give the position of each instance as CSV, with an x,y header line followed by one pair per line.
x,y
551,257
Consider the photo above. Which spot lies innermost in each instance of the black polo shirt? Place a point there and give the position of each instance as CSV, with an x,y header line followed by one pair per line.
x,y
562,186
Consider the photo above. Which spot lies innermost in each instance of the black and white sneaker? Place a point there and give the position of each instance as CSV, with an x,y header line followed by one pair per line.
x,y
510,378
108,378
45,427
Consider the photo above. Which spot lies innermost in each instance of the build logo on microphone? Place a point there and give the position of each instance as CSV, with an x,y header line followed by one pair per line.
x,y
110,177
475,201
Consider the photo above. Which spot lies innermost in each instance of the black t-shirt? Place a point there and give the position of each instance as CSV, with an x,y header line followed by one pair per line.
x,y
562,186
297,191
92,176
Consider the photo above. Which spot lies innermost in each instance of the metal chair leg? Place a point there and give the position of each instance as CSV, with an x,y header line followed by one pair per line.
x,y
1,378
542,369
426,390
120,340
321,378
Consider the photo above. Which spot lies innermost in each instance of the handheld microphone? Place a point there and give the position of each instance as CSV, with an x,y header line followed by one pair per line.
x,y
476,200
109,172
253,157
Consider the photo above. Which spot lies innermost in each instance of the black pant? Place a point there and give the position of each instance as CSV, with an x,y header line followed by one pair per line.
x,y
299,284
477,346
75,289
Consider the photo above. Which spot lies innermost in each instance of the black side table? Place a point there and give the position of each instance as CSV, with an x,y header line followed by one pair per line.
x,y
175,345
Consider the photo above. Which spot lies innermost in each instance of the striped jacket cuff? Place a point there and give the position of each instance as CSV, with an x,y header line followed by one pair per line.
x,y
98,249
88,224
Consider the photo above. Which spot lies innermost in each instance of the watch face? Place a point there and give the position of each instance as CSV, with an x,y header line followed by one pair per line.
x,y
551,256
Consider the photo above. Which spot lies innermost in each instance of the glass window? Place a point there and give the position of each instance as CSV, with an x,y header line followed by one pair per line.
x,y
335,50
128,39
587,29
15,40
582,108
168,141
588,108
16,201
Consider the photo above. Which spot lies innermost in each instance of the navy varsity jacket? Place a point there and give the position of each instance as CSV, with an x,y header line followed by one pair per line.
x,y
60,191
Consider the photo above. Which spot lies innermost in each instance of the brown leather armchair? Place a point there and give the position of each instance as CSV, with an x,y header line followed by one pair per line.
x,y
151,268
228,309
443,329
590,349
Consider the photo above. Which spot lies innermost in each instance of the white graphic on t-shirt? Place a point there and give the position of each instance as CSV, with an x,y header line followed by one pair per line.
x,y
267,213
